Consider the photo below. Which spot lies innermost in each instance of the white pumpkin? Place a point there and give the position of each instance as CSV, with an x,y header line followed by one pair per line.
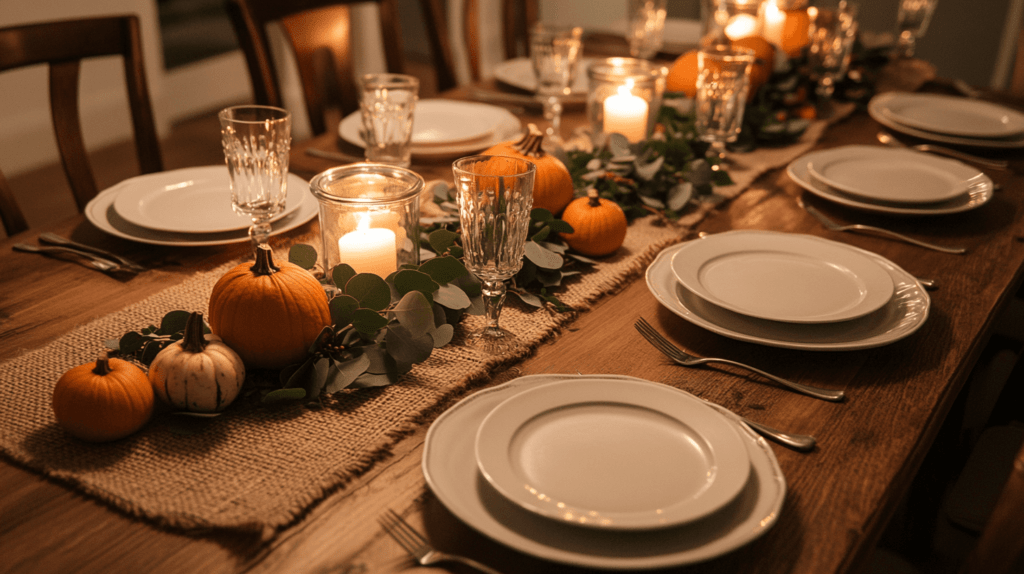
x,y
199,373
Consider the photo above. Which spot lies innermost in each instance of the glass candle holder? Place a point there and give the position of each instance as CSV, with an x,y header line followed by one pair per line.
x,y
784,23
726,20
625,96
369,217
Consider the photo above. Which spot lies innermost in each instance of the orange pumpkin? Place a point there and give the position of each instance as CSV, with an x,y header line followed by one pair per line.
x,y
103,401
599,225
268,313
552,185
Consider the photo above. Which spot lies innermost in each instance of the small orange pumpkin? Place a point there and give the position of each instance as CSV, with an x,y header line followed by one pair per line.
x,y
268,313
552,185
103,401
599,225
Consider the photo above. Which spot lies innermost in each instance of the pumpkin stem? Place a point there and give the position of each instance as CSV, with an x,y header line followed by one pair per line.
x,y
194,340
595,201
102,365
264,264
530,145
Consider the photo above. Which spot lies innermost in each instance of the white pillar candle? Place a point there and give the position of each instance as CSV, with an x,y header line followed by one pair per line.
x,y
369,250
626,114
741,26
773,23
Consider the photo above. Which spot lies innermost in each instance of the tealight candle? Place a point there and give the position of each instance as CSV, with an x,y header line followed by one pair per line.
x,y
773,23
626,114
369,250
741,26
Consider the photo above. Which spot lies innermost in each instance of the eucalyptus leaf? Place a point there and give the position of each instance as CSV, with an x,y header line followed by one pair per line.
x,y
442,240
651,202
150,351
542,257
476,306
342,308
368,380
341,274
406,346
648,171
699,172
560,226
528,298
452,297
303,255
368,321
316,382
344,373
618,145
470,285
301,375
439,189
283,395
112,344
173,322
442,335
549,277
542,215
375,354
541,235
581,258
415,313
679,196
444,270
558,248
370,290
407,281
131,342
440,316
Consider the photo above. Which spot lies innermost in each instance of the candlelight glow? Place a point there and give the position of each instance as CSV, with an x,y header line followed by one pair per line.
x,y
369,250
741,26
626,114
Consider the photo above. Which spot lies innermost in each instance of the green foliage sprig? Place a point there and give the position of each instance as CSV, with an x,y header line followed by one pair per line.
x,y
144,344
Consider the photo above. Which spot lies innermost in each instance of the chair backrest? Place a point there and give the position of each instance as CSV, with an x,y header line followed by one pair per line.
x,y
1000,548
517,16
63,45
319,31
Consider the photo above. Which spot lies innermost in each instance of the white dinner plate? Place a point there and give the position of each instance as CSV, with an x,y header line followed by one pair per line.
x,y
612,454
889,174
438,122
783,276
518,73
100,211
881,101
191,200
903,315
977,195
449,465
502,125
952,115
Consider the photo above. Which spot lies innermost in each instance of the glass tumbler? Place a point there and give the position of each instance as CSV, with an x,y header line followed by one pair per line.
x,y
388,103
495,195
257,141
723,81
555,55
646,24
833,31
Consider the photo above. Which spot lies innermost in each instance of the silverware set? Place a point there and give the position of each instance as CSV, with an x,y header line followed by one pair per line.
x,y
94,257
834,226
419,547
887,139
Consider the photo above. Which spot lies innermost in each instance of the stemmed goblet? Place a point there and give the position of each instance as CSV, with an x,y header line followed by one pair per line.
x,y
257,140
646,24
723,81
912,21
832,32
495,195
555,54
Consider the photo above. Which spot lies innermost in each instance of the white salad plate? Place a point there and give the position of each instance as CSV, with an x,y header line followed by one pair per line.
x,y
450,468
952,115
100,211
892,175
191,200
783,276
518,73
438,122
977,195
903,315
881,102
612,454
493,124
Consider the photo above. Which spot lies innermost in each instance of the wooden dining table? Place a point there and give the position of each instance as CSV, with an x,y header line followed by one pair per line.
x,y
840,497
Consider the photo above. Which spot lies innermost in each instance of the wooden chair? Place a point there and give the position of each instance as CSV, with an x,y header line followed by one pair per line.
x,y
63,45
1000,548
517,18
319,31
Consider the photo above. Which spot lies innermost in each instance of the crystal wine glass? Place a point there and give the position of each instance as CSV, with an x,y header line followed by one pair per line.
x,y
912,21
257,140
646,24
555,53
495,195
723,81
832,32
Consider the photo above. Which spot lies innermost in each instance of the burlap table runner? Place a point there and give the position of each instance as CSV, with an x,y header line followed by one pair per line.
x,y
258,468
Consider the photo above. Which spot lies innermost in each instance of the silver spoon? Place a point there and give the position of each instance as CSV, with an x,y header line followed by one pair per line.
x,y
97,262
890,141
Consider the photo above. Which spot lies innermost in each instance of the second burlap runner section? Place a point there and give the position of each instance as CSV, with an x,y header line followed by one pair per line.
x,y
258,468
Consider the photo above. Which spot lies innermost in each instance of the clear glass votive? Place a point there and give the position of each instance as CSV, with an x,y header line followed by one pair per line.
x,y
388,104
723,81
726,20
625,96
369,217
646,26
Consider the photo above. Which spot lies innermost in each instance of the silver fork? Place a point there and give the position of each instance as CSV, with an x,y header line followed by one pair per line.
x,y
96,262
687,360
417,546
829,224
54,239
890,141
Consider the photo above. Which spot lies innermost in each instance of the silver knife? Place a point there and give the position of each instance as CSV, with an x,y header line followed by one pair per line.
x,y
54,239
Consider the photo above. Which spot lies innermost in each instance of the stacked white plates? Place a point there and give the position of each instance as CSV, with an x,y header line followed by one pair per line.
x,y
603,471
892,181
949,119
188,207
447,128
789,290
518,73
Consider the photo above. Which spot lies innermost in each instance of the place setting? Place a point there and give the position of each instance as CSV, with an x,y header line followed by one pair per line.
x,y
949,119
789,290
